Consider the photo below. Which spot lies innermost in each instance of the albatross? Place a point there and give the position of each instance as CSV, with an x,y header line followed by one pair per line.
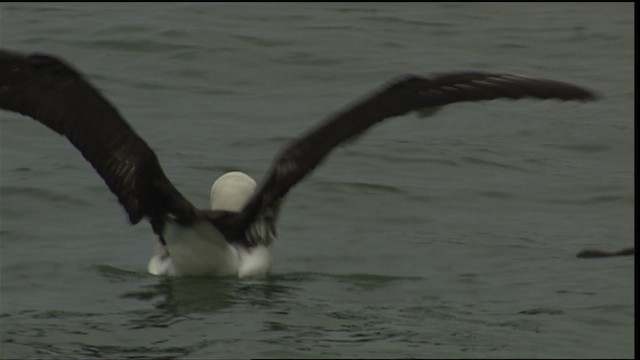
x,y
231,238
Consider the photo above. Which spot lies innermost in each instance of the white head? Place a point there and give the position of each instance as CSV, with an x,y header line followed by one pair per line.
x,y
231,191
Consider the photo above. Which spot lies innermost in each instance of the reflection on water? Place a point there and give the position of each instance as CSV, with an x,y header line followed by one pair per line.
x,y
177,297
183,296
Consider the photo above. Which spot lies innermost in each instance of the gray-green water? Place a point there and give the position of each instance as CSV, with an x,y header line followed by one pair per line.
x,y
451,236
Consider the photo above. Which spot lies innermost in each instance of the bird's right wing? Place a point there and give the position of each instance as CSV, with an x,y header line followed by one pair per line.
x,y
50,91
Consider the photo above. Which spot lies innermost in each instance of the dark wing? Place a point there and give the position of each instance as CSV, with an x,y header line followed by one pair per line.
x,y
52,92
408,94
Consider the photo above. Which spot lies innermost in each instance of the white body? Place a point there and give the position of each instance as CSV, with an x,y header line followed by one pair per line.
x,y
201,250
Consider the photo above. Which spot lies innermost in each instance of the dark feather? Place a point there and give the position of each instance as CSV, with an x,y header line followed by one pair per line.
x,y
53,93
410,93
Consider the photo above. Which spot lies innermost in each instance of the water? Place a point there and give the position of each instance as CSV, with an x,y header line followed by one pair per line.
x,y
452,236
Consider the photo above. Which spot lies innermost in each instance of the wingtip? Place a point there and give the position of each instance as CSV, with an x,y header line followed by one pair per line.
x,y
586,94
592,95
52,63
37,60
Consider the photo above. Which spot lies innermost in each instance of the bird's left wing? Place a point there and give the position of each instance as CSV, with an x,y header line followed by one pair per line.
x,y
410,93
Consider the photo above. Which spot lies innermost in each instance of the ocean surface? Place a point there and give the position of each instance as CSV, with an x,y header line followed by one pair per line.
x,y
452,236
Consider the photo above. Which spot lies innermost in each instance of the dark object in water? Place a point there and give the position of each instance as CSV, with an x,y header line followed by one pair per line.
x,y
590,254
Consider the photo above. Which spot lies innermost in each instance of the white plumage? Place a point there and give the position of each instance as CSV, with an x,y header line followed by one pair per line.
x,y
201,250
